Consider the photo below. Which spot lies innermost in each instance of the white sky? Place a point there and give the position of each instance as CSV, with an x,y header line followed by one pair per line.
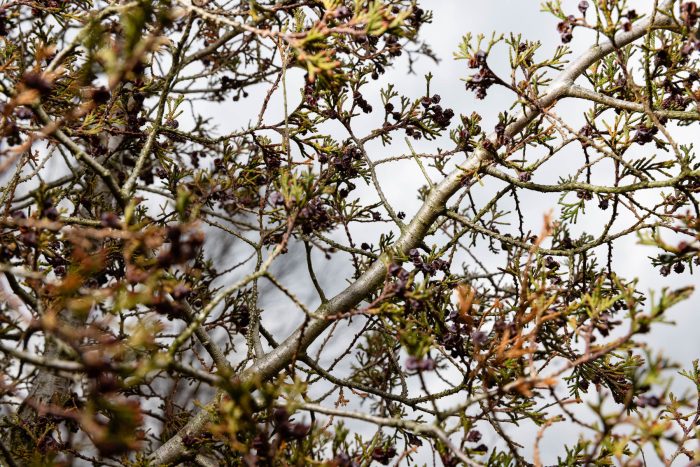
x,y
453,18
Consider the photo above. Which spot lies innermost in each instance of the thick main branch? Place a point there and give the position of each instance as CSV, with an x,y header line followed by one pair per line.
x,y
414,233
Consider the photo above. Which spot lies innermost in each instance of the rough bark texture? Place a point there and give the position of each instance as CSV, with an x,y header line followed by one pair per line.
x,y
32,425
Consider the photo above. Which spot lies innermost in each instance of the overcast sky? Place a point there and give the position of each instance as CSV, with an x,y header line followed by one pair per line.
x,y
454,18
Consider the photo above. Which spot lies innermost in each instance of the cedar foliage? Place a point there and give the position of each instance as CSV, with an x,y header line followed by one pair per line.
x,y
165,294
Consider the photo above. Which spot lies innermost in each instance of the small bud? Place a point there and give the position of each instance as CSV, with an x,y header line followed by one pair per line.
x,y
38,82
583,6
474,436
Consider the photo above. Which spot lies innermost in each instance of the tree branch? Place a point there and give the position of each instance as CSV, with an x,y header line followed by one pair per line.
x,y
412,236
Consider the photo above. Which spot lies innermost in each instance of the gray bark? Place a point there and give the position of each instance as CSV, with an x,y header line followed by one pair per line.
x,y
270,364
